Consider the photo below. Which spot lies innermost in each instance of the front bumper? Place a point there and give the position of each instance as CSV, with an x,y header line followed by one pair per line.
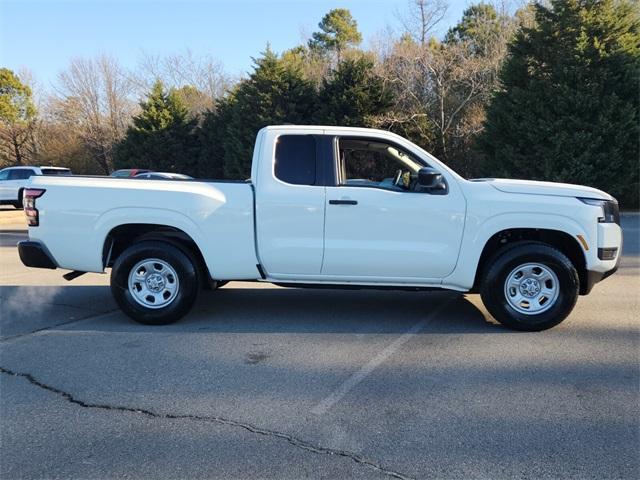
x,y
594,277
35,254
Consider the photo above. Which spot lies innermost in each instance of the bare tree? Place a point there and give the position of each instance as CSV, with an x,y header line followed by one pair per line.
x,y
17,142
96,94
421,17
442,88
60,139
202,79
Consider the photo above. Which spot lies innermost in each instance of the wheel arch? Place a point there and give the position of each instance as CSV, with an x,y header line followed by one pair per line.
x,y
558,239
120,237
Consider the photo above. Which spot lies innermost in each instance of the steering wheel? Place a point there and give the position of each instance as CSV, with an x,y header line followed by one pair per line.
x,y
397,178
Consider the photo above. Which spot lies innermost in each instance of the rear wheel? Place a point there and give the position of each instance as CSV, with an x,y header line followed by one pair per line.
x,y
530,286
154,283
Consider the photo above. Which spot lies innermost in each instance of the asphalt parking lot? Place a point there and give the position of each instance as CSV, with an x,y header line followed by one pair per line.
x,y
266,382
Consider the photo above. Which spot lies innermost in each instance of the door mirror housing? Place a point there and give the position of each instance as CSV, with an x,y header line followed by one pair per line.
x,y
430,179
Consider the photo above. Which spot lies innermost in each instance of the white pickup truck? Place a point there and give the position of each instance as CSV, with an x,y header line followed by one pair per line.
x,y
330,206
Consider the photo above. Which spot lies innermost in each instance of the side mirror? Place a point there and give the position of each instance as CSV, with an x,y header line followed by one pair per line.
x,y
430,179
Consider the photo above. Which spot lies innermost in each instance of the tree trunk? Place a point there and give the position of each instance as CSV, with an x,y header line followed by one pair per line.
x,y
16,149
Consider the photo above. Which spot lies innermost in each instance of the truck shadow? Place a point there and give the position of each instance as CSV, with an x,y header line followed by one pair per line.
x,y
264,310
249,310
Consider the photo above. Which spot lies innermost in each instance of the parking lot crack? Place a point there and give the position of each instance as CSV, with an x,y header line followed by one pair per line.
x,y
295,441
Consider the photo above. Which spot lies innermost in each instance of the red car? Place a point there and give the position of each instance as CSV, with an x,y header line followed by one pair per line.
x,y
128,172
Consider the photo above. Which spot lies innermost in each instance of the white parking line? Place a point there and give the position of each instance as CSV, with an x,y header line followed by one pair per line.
x,y
375,362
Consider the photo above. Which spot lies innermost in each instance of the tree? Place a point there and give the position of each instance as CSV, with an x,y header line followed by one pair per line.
x,y
17,120
421,17
59,139
569,107
195,101
97,91
312,64
441,88
353,94
161,136
479,27
201,78
338,31
275,93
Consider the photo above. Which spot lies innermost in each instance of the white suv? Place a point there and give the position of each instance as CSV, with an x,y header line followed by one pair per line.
x,y
14,179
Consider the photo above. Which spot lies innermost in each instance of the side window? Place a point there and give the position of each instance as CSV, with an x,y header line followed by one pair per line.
x,y
21,174
55,171
371,163
4,174
295,159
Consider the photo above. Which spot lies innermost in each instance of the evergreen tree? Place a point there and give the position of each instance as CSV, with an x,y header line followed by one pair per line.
x,y
161,136
352,95
338,31
212,136
275,93
479,27
569,110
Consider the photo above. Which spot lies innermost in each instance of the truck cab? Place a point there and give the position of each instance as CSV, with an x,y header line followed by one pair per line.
x,y
349,205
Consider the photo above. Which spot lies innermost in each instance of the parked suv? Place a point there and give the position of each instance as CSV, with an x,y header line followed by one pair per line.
x,y
14,179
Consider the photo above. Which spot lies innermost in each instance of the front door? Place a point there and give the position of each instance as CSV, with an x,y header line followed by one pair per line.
x,y
380,224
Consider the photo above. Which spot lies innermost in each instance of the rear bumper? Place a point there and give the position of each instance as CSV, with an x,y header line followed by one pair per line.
x,y
35,254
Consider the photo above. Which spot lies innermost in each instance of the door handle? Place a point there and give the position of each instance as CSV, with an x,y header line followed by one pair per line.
x,y
343,202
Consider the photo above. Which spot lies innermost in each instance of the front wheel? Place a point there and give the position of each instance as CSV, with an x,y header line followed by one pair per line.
x,y
530,286
154,283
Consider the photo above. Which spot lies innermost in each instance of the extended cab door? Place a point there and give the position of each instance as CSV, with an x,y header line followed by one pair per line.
x,y
290,201
380,224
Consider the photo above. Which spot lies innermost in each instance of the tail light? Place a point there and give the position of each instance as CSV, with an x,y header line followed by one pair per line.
x,y
29,203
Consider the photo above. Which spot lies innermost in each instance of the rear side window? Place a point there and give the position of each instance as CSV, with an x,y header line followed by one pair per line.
x,y
4,174
295,160
21,174
56,171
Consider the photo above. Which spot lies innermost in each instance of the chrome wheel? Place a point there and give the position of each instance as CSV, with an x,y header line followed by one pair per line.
x,y
153,283
531,288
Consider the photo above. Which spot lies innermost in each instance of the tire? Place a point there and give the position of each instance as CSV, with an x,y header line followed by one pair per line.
x,y
530,286
165,272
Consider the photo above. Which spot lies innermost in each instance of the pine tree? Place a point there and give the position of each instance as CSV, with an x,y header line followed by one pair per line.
x,y
161,137
338,31
570,106
479,25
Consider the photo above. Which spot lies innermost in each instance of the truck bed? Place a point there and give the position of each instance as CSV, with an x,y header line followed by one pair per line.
x,y
218,216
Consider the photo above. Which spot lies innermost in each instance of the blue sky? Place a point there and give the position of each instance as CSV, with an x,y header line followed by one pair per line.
x,y
44,35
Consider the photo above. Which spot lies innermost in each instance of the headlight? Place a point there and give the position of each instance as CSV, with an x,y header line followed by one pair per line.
x,y
610,209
